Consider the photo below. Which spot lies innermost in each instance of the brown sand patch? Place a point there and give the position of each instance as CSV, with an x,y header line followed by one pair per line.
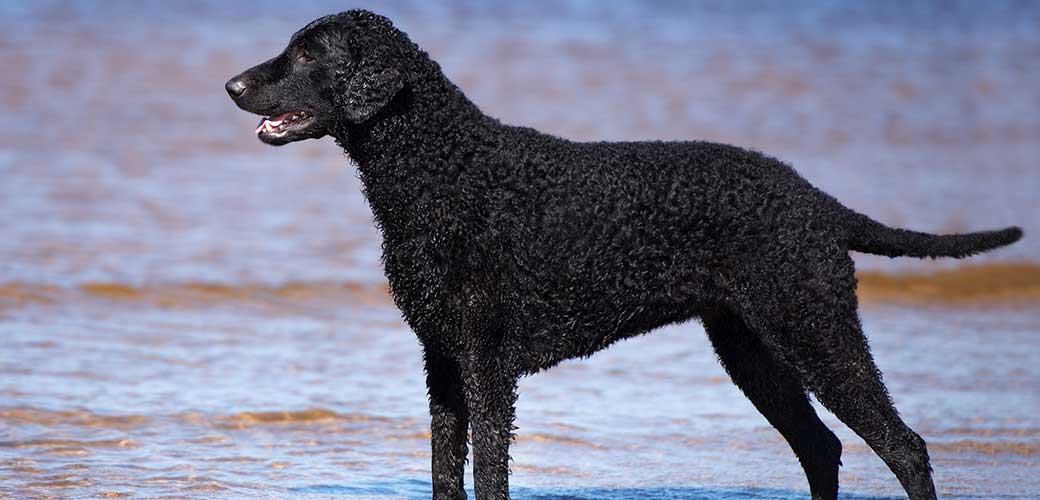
x,y
991,284
71,417
197,295
1024,448
249,419
983,284
565,440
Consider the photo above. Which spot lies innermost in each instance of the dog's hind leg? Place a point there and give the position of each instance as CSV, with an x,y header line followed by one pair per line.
x,y
846,381
777,392
814,325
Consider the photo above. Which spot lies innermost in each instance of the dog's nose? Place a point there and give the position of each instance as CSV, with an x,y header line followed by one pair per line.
x,y
235,87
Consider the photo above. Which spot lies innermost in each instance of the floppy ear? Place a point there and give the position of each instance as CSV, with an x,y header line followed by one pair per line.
x,y
369,90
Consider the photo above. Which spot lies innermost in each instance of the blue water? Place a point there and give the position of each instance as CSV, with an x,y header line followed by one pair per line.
x,y
188,313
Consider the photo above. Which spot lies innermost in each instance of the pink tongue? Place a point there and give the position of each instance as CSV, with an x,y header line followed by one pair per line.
x,y
274,119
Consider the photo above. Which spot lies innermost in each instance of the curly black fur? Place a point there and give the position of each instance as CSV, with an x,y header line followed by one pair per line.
x,y
509,251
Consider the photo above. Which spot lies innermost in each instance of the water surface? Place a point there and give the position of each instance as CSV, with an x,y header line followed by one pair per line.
x,y
187,313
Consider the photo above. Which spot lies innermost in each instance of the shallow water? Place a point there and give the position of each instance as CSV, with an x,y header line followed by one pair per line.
x,y
279,397
188,313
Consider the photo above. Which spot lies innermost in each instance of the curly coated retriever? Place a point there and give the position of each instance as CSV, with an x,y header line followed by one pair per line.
x,y
509,250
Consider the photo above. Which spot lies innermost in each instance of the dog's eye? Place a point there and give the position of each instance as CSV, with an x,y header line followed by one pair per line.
x,y
303,57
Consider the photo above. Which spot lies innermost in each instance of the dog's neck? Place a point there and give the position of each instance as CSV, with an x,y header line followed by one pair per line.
x,y
429,106
407,154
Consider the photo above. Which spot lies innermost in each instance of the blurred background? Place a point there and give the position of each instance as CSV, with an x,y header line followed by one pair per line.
x,y
185,312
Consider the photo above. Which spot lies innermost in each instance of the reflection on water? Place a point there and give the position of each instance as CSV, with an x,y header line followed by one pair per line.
x,y
187,313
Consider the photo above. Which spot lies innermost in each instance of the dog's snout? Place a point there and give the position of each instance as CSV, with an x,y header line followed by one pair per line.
x,y
235,87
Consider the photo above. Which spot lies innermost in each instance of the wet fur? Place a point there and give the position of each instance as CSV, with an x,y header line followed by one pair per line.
x,y
509,251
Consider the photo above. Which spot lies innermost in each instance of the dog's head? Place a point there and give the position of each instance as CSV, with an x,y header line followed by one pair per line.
x,y
339,68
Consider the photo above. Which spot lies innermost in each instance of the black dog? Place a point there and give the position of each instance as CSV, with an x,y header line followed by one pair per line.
x,y
509,251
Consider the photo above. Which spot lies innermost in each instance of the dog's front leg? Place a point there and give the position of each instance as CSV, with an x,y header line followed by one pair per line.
x,y
449,422
490,396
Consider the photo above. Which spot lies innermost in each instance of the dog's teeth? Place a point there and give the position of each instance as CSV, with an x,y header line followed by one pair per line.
x,y
267,125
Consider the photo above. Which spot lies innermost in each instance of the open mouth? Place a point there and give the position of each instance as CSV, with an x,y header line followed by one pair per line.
x,y
280,126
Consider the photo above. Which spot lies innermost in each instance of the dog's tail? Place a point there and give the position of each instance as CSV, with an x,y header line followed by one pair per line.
x,y
870,236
